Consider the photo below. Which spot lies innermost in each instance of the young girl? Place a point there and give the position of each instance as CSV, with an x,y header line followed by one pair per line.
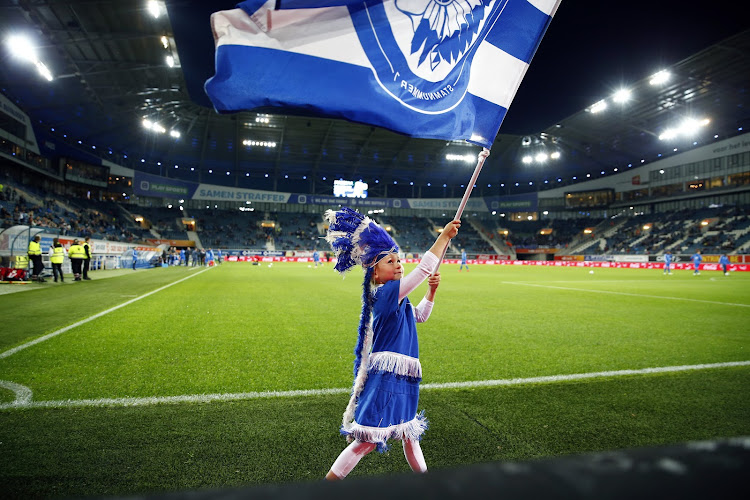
x,y
387,371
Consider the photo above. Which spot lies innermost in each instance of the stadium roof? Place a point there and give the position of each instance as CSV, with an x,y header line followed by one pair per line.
x,y
108,61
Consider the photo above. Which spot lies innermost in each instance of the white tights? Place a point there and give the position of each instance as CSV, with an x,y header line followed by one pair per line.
x,y
353,453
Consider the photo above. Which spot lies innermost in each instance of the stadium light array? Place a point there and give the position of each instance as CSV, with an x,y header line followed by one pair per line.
x,y
455,157
687,128
598,107
266,144
22,49
159,129
154,8
660,77
622,96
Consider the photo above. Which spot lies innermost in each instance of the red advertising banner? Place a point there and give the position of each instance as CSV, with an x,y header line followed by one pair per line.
x,y
554,263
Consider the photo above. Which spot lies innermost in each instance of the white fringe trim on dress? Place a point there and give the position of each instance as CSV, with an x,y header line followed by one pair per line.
x,y
359,381
396,363
411,430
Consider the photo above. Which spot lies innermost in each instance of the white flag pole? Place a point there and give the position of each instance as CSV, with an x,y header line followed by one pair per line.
x,y
480,162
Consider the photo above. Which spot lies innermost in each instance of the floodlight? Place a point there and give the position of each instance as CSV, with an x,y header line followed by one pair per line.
x,y
660,77
555,155
622,96
599,106
668,134
541,157
44,71
455,157
22,48
170,61
527,159
154,8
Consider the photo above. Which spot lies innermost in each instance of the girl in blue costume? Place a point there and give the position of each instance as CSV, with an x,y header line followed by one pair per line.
x,y
387,372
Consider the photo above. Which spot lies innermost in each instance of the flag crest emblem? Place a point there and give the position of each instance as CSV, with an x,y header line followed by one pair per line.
x,y
421,50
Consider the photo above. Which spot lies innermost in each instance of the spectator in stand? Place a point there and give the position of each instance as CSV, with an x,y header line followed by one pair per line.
x,y
87,259
696,258
57,257
35,257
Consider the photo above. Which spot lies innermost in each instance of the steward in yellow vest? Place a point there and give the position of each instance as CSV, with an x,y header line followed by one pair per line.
x,y
35,256
56,257
77,253
34,247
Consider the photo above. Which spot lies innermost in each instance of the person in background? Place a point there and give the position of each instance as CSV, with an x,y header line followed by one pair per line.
x,y
76,253
183,257
463,261
57,257
316,258
696,258
724,263
135,258
218,256
667,262
87,259
35,257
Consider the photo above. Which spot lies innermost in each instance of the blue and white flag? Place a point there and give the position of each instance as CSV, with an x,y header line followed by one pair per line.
x,y
439,69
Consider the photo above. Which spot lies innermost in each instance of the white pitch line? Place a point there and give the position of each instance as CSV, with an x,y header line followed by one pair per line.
x,y
21,347
23,393
208,398
626,293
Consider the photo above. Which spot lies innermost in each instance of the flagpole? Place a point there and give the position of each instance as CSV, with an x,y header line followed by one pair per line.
x,y
480,162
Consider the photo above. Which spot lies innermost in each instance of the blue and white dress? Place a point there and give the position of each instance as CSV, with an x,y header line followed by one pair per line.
x,y
387,405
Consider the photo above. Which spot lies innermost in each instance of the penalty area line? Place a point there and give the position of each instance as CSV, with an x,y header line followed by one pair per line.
x,y
210,398
21,347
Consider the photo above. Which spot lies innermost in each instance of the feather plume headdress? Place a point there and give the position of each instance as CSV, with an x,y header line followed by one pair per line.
x,y
358,241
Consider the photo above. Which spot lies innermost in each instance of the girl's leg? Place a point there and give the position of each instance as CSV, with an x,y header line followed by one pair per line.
x,y
348,459
413,454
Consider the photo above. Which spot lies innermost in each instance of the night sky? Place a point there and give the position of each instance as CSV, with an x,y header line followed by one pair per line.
x,y
592,47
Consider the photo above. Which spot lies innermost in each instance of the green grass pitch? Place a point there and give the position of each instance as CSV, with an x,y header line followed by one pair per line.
x,y
238,331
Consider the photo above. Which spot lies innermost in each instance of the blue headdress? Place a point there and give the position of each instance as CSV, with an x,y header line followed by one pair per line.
x,y
358,240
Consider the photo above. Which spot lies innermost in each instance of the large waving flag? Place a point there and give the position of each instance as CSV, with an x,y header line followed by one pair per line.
x,y
440,69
